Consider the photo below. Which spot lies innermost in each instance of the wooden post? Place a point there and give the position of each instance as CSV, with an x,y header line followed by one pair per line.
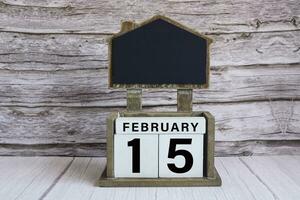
x,y
127,26
134,99
185,100
134,96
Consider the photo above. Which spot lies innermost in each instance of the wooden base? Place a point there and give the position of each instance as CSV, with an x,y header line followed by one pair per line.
x,y
104,181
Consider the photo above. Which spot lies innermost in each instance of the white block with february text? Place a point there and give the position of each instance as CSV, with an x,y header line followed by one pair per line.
x,y
160,125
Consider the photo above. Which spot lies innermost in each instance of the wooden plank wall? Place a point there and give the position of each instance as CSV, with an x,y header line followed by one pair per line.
x,y
54,96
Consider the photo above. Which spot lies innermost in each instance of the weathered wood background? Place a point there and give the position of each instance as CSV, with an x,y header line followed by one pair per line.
x,y
54,95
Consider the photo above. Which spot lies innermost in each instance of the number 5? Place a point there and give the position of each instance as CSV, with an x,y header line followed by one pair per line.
x,y
186,154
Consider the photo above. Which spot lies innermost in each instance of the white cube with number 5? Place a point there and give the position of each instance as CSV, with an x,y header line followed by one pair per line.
x,y
181,155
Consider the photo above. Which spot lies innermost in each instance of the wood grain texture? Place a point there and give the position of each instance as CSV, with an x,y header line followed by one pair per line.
x,y
250,178
28,178
54,52
78,16
274,120
79,180
241,180
223,148
53,73
61,149
237,121
271,174
89,87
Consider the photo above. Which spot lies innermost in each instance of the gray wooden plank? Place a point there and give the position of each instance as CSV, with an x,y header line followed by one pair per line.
x,y
7,166
52,52
274,176
234,122
238,182
78,16
29,177
79,181
289,166
243,178
246,128
87,88
222,148
257,147
59,52
55,149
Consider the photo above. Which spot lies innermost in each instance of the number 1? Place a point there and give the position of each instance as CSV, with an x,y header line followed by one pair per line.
x,y
135,144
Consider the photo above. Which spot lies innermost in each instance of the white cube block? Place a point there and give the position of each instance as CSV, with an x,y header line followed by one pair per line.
x,y
181,155
136,155
160,125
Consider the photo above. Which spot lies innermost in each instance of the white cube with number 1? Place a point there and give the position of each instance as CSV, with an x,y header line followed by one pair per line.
x,y
136,155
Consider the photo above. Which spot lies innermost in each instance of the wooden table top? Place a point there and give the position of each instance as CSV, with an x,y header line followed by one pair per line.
x,y
272,177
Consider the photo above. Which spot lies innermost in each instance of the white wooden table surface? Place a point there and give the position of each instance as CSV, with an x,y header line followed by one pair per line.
x,y
276,177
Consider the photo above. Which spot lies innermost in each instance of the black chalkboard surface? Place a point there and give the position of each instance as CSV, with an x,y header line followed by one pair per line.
x,y
159,54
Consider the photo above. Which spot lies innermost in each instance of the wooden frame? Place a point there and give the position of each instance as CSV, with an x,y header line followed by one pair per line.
x,y
211,176
130,26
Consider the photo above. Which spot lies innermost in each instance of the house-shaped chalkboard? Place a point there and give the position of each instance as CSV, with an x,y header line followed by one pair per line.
x,y
159,53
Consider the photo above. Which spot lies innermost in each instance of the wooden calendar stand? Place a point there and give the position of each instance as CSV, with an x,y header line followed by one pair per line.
x,y
184,107
160,53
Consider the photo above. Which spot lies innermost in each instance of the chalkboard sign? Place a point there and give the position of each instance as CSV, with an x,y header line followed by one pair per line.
x,y
159,53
